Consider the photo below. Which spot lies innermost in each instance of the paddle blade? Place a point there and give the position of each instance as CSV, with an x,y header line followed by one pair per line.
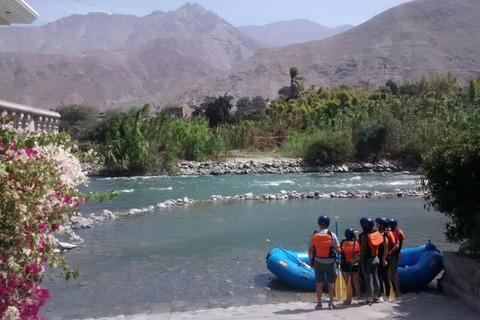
x,y
340,287
392,292
348,300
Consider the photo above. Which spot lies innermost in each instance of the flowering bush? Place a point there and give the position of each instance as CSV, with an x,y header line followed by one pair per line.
x,y
38,177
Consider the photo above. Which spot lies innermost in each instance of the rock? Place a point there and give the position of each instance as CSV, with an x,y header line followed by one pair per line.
x,y
249,196
108,214
354,191
185,199
311,195
134,211
66,246
81,222
217,171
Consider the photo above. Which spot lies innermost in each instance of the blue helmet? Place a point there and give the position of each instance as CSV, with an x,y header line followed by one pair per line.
x,y
382,221
367,223
324,220
392,223
349,233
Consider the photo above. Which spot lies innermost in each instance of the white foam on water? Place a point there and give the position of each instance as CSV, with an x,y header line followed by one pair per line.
x,y
167,188
272,183
128,190
356,178
402,182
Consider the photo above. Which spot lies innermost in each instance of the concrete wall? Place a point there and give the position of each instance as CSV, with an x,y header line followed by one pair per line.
x,y
461,279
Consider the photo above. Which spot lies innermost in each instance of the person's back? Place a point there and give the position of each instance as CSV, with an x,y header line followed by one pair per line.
x,y
321,252
350,249
395,242
381,225
370,240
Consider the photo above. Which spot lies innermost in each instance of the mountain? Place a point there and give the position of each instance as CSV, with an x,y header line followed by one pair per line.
x,y
284,33
108,59
415,38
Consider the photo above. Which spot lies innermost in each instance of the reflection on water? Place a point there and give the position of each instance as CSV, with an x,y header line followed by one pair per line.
x,y
210,255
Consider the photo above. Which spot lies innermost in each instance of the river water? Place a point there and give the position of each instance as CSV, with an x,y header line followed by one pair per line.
x,y
213,254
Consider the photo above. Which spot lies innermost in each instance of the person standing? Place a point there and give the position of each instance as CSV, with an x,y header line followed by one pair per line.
x,y
381,225
395,242
370,240
350,249
322,255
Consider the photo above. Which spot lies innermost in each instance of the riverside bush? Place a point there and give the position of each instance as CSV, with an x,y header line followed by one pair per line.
x,y
38,179
450,172
329,148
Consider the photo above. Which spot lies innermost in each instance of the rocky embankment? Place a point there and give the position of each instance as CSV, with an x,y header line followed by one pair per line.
x,y
281,166
80,222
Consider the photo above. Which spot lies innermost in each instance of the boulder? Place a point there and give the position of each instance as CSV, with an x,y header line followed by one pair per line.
x,y
217,170
66,246
81,222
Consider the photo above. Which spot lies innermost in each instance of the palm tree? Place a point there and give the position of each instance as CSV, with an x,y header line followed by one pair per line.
x,y
296,83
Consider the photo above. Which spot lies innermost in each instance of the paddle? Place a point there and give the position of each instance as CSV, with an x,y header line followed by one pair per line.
x,y
340,286
350,280
300,262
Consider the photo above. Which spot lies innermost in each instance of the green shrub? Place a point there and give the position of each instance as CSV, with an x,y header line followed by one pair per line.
x,y
329,148
450,172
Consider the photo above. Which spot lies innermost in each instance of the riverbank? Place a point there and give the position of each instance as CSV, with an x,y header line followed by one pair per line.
x,y
268,164
282,165
425,305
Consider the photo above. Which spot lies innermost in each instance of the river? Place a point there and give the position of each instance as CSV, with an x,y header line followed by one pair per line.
x,y
213,254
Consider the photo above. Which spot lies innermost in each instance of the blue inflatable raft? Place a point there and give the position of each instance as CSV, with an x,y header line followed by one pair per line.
x,y
418,267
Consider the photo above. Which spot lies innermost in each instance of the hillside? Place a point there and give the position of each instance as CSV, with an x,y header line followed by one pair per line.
x,y
284,33
108,59
418,37
195,53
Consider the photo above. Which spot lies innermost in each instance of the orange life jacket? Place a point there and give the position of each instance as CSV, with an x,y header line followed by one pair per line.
x,y
322,245
400,236
347,249
374,240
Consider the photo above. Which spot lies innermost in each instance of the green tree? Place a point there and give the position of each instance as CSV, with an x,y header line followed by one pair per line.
x,y
296,83
217,110
450,172
78,120
472,90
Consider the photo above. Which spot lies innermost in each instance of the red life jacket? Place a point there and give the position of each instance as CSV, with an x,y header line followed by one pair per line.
x,y
322,245
400,236
347,249
374,240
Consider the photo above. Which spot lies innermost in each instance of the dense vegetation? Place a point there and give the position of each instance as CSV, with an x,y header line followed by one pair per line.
x,y
434,120
322,125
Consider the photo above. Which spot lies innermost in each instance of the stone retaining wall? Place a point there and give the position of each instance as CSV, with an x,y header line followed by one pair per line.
x,y
461,279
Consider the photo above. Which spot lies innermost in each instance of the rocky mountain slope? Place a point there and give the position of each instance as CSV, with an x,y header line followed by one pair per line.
x,y
415,38
284,33
198,54
107,59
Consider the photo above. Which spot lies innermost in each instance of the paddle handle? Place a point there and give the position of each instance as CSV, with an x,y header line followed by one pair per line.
x,y
291,255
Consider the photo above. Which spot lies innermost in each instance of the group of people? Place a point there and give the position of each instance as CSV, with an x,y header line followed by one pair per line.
x,y
374,255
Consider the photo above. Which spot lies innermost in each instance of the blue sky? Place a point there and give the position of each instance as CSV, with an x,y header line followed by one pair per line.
x,y
330,13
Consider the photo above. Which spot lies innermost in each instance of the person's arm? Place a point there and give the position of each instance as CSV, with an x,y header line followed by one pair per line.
x,y
363,248
385,251
310,253
397,244
336,245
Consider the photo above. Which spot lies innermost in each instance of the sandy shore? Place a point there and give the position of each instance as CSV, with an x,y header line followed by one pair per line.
x,y
424,305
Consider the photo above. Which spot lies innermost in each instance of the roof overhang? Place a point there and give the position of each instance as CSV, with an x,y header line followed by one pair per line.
x,y
16,11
